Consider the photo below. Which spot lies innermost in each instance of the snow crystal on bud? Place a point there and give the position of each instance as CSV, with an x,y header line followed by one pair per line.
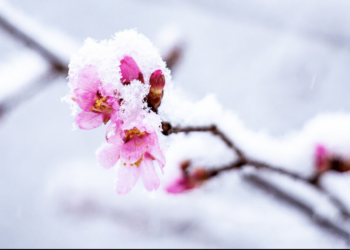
x,y
134,110
97,54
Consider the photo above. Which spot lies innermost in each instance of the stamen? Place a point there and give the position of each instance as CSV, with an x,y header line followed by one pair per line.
x,y
129,134
101,105
139,161
138,145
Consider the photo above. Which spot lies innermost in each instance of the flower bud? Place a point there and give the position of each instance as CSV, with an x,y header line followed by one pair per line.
x,y
200,174
188,181
321,158
184,165
130,71
325,160
157,82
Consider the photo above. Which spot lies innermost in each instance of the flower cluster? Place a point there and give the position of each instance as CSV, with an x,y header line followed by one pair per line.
x,y
122,81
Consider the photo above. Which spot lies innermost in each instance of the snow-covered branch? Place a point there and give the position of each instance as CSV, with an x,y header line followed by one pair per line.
x,y
198,176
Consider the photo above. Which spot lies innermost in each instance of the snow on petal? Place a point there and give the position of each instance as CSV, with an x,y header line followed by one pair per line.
x,y
129,70
88,79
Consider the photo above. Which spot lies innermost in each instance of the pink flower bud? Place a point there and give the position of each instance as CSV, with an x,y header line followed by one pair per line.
x,y
130,71
325,160
188,181
200,175
157,82
180,185
321,158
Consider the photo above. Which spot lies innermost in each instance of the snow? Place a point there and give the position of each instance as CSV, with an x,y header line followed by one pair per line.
x,y
19,69
107,54
134,110
53,193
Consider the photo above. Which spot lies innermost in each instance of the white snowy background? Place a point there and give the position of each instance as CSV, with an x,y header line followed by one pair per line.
x,y
274,75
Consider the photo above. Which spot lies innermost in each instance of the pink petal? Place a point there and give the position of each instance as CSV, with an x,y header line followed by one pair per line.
x,y
129,70
155,150
88,120
115,105
108,155
115,112
135,148
106,90
320,156
127,178
84,99
178,186
161,165
149,177
88,79
113,132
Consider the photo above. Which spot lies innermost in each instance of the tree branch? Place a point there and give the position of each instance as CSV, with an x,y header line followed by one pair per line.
x,y
244,160
212,129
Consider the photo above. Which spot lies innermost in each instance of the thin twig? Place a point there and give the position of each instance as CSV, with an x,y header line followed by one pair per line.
x,y
214,130
235,165
244,160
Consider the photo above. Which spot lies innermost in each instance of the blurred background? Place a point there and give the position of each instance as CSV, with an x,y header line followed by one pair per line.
x,y
276,64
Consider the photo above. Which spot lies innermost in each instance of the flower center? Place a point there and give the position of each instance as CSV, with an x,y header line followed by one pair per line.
x,y
101,105
129,134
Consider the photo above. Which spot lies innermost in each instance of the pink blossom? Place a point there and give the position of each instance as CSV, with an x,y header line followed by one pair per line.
x,y
180,185
136,151
321,155
188,181
96,101
130,71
